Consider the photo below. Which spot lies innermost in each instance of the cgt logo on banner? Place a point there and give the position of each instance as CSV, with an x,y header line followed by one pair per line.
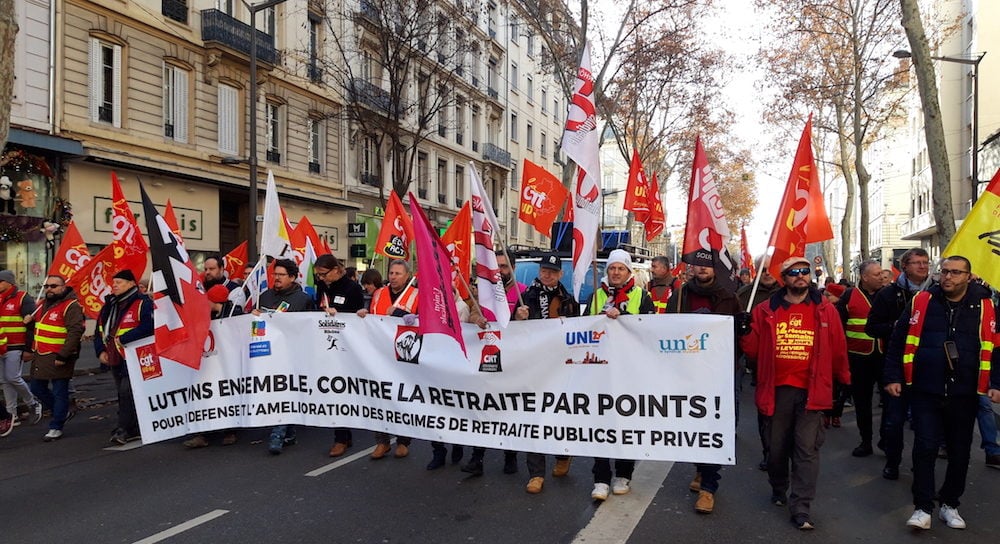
x,y
149,362
489,359
407,343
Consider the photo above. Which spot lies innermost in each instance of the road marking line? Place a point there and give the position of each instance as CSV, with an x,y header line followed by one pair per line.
x,y
618,516
125,447
190,524
341,462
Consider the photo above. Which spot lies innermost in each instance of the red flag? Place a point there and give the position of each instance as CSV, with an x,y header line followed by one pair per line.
x,y
72,254
181,311
307,231
706,238
802,216
235,261
746,259
457,242
92,282
637,196
677,271
542,197
435,298
656,220
397,230
130,245
171,219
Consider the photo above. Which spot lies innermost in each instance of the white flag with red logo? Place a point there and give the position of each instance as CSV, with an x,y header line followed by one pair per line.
x,y
181,311
581,143
492,295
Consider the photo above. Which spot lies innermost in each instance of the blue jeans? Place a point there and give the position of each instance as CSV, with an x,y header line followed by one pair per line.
x,y
55,399
987,426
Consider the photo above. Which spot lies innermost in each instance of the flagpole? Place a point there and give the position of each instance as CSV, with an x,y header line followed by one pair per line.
x,y
405,289
503,247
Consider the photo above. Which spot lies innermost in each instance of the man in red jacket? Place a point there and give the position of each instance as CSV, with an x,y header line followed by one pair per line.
x,y
798,341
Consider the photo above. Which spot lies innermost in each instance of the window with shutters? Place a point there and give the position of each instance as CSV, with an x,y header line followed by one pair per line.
x,y
460,182
225,6
275,134
315,145
175,103
229,124
105,82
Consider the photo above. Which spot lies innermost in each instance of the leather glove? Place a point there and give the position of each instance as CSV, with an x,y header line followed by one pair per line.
x,y
743,321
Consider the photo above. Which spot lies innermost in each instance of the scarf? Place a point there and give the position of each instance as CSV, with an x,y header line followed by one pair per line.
x,y
907,285
617,296
548,298
116,305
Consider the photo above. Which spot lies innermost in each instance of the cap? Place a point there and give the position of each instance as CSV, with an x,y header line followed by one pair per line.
x,y
125,275
836,289
7,276
551,261
218,293
620,256
792,261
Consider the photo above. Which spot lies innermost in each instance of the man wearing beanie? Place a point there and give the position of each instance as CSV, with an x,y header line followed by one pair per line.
x,y
798,342
127,316
15,334
703,294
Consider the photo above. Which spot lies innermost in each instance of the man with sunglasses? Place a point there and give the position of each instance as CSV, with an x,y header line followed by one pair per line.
x,y
798,341
942,353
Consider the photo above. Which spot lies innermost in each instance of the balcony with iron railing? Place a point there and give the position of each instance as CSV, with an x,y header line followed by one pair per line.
x,y
313,167
496,155
368,178
422,193
315,72
442,198
219,28
370,94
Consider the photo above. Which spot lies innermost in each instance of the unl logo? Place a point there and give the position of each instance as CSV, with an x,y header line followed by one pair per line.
x,y
149,362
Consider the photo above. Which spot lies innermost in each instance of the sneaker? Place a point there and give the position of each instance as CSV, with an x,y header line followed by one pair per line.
x,y
562,467
620,486
705,503
600,492
198,441
339,448
474,466
381,449
510,463
276,441
36,412
6,425
863,450
119,437
919,520
950,516
53,434
802,522
535,485
695,485
993,461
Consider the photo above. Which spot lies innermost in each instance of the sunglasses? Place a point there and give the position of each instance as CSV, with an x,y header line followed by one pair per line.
x,y
52,285
796,272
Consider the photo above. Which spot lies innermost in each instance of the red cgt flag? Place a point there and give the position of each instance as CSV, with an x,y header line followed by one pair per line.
x,y
657,219
637,192
802,216
542,197
746,259
171,218
72,254
397,230
235,261
457,241
92,282
130,246
706,238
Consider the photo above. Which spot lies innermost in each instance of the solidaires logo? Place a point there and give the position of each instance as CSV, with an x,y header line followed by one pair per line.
x,y
692,343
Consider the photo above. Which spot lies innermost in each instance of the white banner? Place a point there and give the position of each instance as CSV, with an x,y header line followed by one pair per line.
x,y
656,387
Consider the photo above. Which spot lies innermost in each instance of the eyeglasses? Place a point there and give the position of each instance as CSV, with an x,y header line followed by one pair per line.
x,y
950,272
321,273
276,274
52,285
796,272
917,263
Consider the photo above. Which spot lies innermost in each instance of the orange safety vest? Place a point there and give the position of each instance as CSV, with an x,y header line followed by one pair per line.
x,y
858,308
382,301
128,321
660,303
14,331
918,316
50,328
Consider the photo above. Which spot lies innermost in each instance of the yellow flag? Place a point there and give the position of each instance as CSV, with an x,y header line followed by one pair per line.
x,y
978,239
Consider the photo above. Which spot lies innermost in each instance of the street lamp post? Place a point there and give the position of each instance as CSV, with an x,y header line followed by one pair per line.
x,y
974,62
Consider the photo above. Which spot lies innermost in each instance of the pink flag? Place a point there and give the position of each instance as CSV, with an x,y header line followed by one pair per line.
x,y
436,297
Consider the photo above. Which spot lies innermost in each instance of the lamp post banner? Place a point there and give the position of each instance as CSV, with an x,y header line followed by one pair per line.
x,y
657,387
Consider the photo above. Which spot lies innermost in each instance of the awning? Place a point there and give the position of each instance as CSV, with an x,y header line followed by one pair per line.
x,y
45,142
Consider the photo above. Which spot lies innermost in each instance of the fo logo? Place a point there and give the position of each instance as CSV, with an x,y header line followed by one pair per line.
x,y
407,344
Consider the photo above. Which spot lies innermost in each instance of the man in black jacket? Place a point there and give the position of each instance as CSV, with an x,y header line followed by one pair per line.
x,y
942,353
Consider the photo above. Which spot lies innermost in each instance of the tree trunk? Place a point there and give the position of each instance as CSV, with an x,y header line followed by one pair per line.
x,y
844,161
863,176
937,152
8,31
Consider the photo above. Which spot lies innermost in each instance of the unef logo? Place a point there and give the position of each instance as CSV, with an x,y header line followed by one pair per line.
x,y
407,344
489,361
688,344
584,338
149,362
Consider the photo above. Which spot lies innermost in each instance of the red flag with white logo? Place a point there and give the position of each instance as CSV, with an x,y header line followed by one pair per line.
x,y
656,220
396,233
637,190
542,197
132,248
72,254
706,238
457,242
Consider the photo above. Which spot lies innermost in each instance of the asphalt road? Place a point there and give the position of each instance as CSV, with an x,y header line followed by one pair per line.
x,y
79,489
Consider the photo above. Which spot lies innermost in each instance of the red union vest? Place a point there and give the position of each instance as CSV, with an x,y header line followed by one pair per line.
x,y
14,331
987,328
382,301
660,302
128,321
50,328
858,308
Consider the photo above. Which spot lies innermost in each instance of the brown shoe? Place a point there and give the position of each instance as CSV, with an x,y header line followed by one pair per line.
x,y
380,450
339,448
535,485
695,485
705,503
562,467
198,441
402,450
229,439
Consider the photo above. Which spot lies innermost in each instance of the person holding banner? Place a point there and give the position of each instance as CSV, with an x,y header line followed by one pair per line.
x,y
127,316
215,273
337,292
398,298
702,294
617,295
547,298
800,348
661,284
